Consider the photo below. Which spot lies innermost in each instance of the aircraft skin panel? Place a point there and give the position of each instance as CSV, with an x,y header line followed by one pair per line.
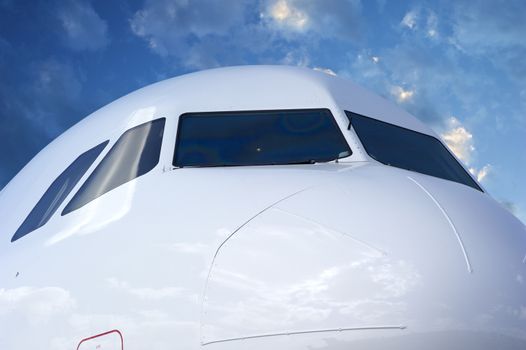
x,y
363,282
337,255
294,290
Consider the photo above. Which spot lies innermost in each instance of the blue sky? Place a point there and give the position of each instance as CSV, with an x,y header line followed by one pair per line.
x,y
459,66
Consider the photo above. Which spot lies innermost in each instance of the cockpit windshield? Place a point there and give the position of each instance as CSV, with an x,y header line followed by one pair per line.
x,y
407,149
258,138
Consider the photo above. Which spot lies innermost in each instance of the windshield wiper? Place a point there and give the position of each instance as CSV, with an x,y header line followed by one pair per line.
x,y
307,161
327,160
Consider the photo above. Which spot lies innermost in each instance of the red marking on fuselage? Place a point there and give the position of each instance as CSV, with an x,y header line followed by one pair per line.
x,y
101,335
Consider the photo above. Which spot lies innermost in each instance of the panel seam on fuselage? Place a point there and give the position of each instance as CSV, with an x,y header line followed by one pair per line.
x,y
450,222
365,328
230,236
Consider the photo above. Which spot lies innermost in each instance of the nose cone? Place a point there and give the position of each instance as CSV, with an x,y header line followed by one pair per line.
x,y
378,257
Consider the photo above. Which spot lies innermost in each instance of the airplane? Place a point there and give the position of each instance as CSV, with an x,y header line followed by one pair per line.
x,y
256,207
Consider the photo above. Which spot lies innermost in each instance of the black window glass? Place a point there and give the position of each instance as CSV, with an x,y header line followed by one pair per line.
x,y
134,154
258,138
57,192
408,149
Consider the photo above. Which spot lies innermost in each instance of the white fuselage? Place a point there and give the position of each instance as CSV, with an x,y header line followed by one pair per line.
x,y
338,255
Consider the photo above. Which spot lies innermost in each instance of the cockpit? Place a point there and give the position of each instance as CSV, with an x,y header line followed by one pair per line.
x,y
241,138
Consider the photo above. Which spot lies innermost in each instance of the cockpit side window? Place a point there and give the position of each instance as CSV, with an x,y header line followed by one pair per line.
x,y
58,191
258,138
134,154
407,149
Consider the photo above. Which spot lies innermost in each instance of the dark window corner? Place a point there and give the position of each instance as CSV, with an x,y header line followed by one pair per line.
x,y
58,191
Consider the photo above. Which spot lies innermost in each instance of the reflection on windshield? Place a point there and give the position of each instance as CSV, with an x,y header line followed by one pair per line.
x,y
58,191
134,154
408,149
259,138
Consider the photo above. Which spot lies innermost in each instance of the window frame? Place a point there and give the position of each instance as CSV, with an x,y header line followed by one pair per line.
x,y
74,188
241,112
112,145
351,127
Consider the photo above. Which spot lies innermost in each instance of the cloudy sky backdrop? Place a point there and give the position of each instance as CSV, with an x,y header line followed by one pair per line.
x,y
459,66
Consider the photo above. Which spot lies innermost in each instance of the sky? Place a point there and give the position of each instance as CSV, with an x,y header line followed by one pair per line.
x,y
456,65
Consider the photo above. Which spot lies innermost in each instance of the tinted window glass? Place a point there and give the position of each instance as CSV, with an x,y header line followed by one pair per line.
x,y
58,191
258,138
134,154
408,149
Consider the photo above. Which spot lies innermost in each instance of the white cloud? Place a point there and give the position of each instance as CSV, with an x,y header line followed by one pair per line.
x,y
83,27
409,20
284,13
459,140
365,70
432,25
422,20
321,19
204,34
176,27
401,94
438,85
480,174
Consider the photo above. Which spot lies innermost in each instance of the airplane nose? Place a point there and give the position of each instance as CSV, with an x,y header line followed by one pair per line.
x,y
381,254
